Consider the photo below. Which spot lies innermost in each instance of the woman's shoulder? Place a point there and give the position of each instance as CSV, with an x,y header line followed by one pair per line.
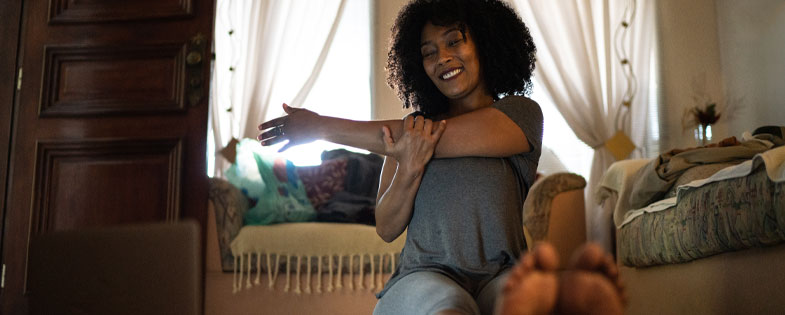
x,y
517,103
431,117
516,100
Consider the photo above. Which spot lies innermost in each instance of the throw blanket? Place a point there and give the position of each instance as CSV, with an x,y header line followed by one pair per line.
x,y
654,180
773,161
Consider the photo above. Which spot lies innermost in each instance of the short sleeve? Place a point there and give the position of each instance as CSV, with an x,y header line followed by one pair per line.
x,y
527,114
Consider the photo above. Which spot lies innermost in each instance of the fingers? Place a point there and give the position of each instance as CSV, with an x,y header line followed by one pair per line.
x,y
277,121
268,134
408,122
427,127
388,140
272,141
439,129
419,122
272,123
288,109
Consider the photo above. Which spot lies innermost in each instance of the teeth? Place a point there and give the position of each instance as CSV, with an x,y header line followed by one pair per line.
x,y
451,74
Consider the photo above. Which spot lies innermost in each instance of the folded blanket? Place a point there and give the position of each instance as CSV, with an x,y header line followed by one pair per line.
x,y
654,180
772,160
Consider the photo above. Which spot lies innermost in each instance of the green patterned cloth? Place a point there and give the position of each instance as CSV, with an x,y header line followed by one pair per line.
x,y
723,216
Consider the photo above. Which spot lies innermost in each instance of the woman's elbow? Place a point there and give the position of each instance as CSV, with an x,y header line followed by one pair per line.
x,y
386,235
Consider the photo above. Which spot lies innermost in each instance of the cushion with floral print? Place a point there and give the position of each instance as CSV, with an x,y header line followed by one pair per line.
x,y
323,181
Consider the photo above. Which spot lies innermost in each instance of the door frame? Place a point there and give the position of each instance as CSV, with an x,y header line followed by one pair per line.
x,y
9,34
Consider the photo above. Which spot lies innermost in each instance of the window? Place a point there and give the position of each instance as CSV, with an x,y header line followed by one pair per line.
x,y
562,150
342,88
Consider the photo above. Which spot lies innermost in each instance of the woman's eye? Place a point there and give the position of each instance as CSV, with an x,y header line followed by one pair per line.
x,y
426,54
454,42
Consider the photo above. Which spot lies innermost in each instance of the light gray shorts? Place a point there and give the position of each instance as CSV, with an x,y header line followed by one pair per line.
x,y
426,292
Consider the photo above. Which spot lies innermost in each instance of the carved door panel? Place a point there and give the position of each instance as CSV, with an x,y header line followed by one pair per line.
x,y
110,121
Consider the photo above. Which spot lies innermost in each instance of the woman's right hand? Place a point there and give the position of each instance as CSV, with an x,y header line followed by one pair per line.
x,y
299,126
414,148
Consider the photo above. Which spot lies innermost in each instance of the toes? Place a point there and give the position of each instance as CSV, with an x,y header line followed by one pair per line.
x,y
545,257
542,259
583,292
588,257
591,257
536,293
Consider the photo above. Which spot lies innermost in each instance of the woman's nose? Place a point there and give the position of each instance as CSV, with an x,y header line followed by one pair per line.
x,y
444,58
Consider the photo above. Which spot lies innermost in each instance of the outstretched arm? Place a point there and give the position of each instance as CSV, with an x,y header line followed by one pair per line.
x,y
483,132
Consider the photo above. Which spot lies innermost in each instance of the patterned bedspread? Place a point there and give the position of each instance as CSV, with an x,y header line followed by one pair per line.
x,y
728,215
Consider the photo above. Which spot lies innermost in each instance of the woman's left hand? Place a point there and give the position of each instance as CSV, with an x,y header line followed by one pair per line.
x,y
414,148
299,126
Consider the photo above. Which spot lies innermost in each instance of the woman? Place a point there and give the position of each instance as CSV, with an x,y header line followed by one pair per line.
x,y
457,170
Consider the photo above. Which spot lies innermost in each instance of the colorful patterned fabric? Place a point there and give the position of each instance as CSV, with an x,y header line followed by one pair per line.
x,y
229,205
723,216
323,181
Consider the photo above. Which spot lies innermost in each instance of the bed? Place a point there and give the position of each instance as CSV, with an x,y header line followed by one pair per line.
x,y
712,245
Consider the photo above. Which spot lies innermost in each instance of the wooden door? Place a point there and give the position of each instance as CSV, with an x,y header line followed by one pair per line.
x,y
110,121
10,16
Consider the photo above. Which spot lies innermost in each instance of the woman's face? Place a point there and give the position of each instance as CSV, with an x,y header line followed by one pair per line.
x,y
450,59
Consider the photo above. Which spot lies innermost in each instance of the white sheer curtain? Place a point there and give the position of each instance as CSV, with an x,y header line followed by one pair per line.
x,y
579,69
267,52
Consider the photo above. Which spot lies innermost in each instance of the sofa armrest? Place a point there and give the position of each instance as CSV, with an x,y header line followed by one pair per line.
x,y
554,212
228,206
619,179
567,223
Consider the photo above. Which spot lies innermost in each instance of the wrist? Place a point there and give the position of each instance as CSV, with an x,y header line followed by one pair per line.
x,y
409,172
321,127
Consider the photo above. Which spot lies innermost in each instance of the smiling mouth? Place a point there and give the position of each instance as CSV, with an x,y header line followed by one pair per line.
x,y
450,74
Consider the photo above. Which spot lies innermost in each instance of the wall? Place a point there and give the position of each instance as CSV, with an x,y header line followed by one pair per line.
x,y
752,55
735,47
738,46
689,52
386,104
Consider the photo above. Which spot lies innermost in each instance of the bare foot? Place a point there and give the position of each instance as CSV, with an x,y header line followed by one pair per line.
x,y
591,285
532,285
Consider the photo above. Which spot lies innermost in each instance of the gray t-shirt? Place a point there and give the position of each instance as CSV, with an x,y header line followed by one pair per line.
x,y
467,222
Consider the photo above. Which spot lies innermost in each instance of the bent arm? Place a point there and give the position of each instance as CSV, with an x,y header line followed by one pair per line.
x,y
395,199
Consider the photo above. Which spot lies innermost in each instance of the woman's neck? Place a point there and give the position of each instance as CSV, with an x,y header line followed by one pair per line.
x,y
469,103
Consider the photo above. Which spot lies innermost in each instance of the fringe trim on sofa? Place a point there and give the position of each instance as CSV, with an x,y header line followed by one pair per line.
x,y
244,271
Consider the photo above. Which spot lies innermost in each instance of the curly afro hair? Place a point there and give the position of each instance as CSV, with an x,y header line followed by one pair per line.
x,y
505,48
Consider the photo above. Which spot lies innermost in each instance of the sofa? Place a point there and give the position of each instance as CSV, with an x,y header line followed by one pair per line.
x,y
553,212
714,245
